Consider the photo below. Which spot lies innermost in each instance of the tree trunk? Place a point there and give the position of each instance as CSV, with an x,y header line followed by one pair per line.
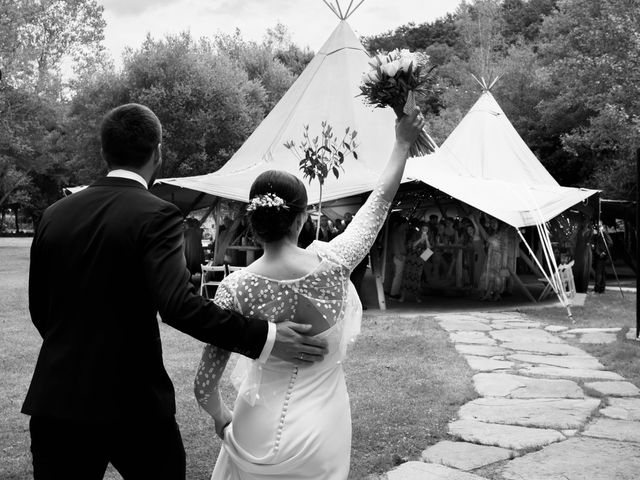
x,y
319,213
15,216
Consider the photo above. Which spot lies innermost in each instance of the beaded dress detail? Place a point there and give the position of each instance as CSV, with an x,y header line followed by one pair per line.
x,y
290,422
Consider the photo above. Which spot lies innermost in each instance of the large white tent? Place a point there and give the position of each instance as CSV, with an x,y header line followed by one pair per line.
x,y
486,164
327,90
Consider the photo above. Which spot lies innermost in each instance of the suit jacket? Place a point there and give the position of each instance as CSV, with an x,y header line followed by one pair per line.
x,y
104,262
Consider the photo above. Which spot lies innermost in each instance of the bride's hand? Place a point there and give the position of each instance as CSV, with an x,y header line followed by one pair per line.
x,y
408,128
222,421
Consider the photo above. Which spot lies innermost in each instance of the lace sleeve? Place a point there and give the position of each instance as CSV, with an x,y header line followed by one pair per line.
x,y
213,361
354,243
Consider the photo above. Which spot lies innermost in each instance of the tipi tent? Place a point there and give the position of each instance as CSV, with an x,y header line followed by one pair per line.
x,y
486,164
327,90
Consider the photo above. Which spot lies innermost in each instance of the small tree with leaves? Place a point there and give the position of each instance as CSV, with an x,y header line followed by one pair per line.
x,y
322,155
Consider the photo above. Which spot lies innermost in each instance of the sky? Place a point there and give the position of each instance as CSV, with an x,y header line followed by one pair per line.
x,y
309,22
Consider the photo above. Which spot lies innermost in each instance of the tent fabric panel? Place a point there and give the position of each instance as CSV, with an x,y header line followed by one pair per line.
x,y
519,205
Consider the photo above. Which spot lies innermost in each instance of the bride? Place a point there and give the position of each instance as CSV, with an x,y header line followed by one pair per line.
x,y
289,421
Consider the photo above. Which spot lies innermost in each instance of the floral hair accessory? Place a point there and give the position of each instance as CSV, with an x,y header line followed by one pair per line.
x,y
267,200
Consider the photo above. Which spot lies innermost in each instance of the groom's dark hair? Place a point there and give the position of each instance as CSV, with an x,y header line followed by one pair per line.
x,y
129,134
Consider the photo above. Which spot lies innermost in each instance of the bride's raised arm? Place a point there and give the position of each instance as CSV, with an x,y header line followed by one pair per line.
x,y
353,244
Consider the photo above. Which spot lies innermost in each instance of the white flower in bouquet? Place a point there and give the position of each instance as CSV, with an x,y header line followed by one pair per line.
x,y
394,81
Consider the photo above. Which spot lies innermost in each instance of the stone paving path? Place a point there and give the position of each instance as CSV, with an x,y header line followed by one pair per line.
x,y
546,411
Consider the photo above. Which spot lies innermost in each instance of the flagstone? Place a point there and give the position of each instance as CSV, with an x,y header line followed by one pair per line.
x,y
548,348
480,350
622,430
543,413
595,330
484,364
464,455
583,361
464,325
614,389
570,373
460,316
622,408
506,436
597,338
578,458
473,337
506,324
432,471
517,386
533,335
556,328
500,315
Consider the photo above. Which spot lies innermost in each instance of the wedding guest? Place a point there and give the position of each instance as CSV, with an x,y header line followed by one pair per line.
x,y
496,261
398,250
307,234
417,243
290,423
601,245
193,251
433,225
479,252
104,262
326,230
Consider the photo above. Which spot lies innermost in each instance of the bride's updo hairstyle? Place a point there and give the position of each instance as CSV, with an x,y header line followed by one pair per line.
x,y
275,200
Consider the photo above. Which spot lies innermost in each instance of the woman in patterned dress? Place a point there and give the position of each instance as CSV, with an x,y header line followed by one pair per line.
x,y
293,422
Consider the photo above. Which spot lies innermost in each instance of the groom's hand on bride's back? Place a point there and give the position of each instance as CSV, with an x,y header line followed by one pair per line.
x,y
294,345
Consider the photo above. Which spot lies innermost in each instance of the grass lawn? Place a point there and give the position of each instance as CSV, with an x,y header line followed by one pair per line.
x,y
406,382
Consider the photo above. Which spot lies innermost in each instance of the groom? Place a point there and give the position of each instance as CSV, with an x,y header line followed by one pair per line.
x,y
104,262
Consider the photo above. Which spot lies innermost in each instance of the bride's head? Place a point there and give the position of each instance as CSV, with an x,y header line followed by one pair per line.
x,y
277,206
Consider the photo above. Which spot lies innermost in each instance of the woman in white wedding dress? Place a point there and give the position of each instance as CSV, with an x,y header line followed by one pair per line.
x,y
294,422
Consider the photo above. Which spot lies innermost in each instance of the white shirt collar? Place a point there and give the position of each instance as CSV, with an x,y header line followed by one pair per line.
x,y
120,173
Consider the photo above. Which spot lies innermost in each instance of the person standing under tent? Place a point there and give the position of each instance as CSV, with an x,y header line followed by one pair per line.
x,y
496,256
601,245
398,249
417,243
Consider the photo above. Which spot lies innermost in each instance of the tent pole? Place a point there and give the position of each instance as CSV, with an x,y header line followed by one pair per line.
x,y
375,268
385,242
531,265
637,249
209,210
216,232
522,286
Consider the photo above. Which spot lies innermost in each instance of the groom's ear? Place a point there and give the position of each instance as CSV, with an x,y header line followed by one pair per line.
x,y
157,155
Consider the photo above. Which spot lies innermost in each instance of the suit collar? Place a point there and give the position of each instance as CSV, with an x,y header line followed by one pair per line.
x,y
117,182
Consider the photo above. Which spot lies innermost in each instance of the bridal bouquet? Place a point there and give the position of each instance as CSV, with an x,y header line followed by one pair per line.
x,y
395,79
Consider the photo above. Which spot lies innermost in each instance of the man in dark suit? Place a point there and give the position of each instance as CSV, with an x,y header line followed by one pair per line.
x,y
104,263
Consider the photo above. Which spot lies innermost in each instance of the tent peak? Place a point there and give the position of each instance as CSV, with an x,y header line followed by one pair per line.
x,y
338,11
486,86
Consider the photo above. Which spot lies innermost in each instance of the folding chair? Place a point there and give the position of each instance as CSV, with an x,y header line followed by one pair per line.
x,y
565,273
566,276
212,275
233,268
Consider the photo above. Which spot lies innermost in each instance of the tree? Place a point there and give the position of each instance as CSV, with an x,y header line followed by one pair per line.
x,y
260,61
322,155
42,33
442,31
590,52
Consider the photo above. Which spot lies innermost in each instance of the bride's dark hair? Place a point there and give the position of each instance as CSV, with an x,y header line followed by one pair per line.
x,y
270,223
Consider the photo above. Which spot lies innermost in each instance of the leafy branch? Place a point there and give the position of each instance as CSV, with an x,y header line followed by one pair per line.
x,y
322,155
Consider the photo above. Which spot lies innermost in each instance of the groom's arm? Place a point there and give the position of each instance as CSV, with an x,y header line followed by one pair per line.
x,y
178,303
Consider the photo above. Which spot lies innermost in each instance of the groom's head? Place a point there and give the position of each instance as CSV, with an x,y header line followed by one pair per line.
x,y
130,136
